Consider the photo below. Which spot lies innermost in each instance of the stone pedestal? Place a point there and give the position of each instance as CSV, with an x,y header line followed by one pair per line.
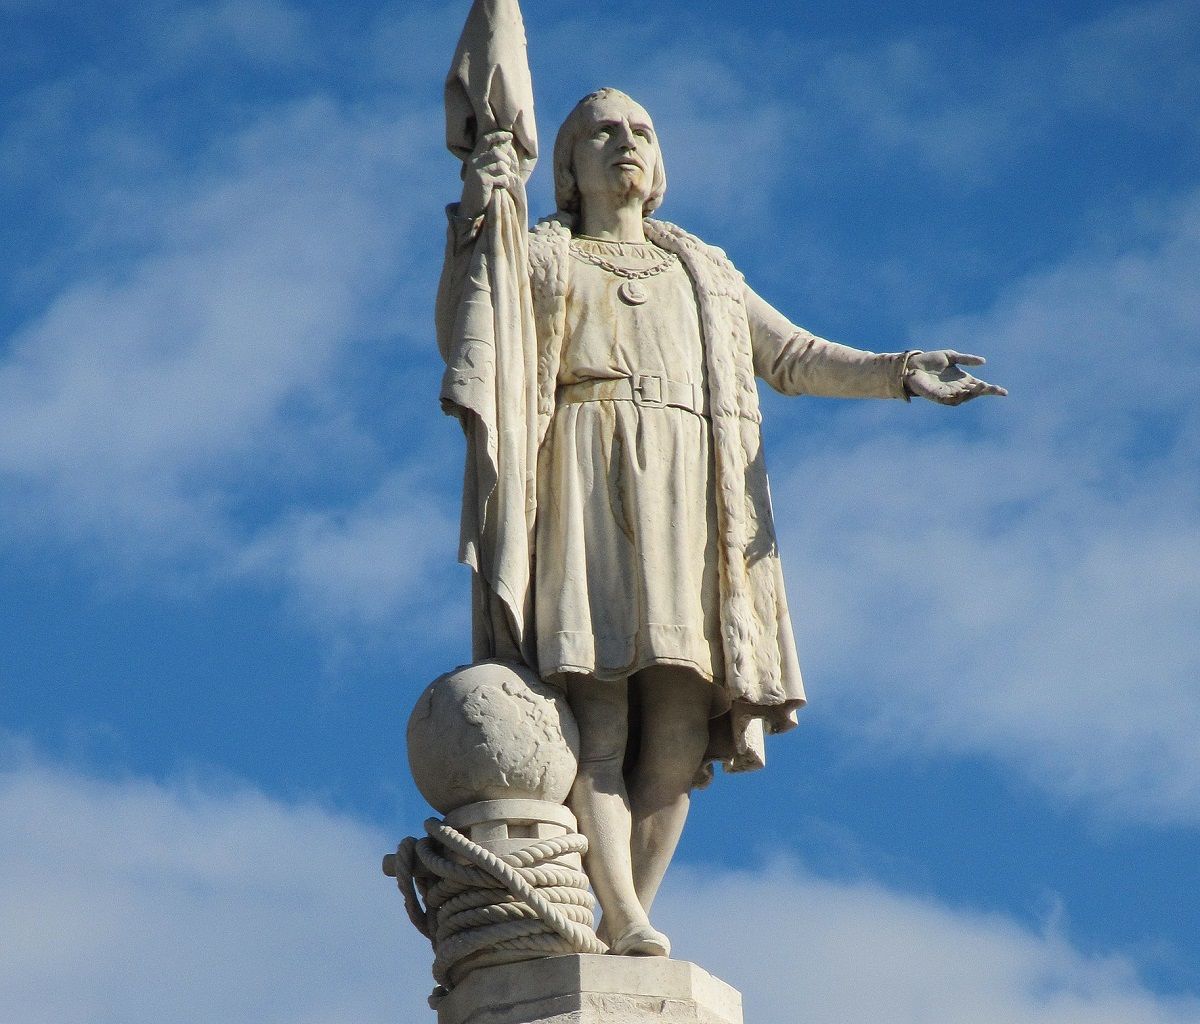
x,y
592,990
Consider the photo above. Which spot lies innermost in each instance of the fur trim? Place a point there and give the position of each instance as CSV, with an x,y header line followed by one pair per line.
x,y
749,565
549,260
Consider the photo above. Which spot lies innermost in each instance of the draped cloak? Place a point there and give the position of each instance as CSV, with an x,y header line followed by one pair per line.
x,y
761,671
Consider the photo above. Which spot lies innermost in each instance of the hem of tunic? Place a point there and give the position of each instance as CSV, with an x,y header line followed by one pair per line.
x,y
574,651
654,640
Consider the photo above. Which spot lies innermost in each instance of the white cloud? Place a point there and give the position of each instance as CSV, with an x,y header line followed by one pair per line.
x,y
127,901
130,901
250,293
804,948
148,405
1026,584
358,572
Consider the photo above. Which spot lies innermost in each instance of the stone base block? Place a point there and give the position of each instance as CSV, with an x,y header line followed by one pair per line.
x,y
592,990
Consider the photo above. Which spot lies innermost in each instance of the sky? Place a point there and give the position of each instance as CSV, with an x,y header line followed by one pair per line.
x,y
229,500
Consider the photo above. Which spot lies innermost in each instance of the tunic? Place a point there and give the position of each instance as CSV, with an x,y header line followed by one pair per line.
x,y
627,563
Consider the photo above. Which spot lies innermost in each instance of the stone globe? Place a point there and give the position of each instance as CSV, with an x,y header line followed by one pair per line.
x,y
492,731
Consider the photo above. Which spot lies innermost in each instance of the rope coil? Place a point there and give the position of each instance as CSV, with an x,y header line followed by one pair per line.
x,y
493,909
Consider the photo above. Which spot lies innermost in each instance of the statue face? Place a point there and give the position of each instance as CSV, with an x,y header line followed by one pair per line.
x,y
616,156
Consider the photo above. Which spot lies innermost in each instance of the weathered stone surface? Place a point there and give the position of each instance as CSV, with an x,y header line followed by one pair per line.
x,y
593,990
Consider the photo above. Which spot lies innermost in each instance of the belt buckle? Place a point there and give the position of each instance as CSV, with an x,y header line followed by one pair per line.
x,y
649,390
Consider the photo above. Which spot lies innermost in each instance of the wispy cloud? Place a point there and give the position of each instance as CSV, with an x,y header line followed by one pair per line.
x,y
808,948
147,406
1027,589
209,904
196,905
362,571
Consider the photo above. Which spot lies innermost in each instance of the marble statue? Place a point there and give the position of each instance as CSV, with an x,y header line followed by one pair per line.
x,y
616,509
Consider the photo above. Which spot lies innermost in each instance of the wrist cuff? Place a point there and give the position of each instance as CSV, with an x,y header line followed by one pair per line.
x,y
906,372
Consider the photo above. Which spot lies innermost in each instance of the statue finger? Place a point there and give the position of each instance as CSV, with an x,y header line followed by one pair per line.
x,y
979,387
497,156
495,168
965,359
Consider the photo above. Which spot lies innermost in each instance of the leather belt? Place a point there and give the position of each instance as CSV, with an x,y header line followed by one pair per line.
x,y
649,390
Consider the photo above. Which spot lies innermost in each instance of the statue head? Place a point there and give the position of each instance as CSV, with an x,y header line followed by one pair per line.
x,y
607,142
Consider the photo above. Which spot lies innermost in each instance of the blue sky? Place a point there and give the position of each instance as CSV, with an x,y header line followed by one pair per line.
x,y
228,499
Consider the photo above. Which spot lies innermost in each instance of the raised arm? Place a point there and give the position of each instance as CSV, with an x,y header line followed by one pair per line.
x,y
796,362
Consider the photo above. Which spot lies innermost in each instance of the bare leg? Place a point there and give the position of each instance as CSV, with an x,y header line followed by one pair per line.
x,y
600,802
674,705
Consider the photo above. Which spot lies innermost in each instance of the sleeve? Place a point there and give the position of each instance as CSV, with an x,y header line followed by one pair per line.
x,y
461,234
795,362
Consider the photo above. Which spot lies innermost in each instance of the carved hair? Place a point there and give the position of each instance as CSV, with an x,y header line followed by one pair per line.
x,y
566,187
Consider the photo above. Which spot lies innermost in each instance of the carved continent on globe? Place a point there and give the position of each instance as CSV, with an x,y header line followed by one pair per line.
x,y
492,731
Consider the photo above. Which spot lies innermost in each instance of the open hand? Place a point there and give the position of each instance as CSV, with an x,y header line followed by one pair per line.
x,y
493,165
938,377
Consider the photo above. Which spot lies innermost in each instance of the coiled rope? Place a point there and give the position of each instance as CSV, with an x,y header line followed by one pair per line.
x,y
493,910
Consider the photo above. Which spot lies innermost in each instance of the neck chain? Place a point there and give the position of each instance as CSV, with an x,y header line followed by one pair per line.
x,y
631,291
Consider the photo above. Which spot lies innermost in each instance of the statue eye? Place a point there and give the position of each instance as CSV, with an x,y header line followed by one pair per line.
x,y
601,133
642,133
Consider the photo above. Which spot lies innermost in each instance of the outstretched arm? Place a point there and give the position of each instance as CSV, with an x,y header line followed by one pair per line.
x,y
797,362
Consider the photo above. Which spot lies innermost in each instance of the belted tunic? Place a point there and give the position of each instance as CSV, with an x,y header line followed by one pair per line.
x,y
627,565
